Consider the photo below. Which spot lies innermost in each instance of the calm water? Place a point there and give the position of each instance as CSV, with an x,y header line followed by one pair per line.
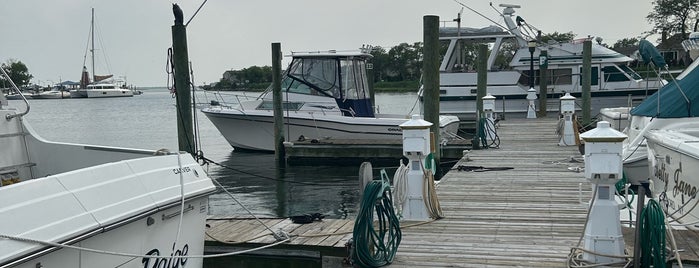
x,y
148,121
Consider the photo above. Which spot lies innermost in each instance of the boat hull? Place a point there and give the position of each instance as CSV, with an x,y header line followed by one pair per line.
x,y
674,162
254,130
109,93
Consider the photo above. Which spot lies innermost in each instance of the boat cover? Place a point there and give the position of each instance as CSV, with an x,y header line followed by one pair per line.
x,y
650,54
674,100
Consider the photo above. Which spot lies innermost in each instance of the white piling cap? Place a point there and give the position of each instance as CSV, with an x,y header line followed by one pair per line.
x,y
531,94
603,133
415,122
488,97
567,96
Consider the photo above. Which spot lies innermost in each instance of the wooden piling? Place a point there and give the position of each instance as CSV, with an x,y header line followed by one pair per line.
x,y
586,81
481,85
430,75
185,137
543,83
277,104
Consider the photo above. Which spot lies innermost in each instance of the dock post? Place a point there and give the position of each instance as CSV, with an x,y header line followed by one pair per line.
x,y
277,104
543,82
430,74
603,168
489,110
416,147
183,95
481,89
531,97
586,77
567,111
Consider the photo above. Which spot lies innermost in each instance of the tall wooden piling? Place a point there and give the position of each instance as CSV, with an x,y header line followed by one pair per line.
x,y
180,58
277,103
543,83
430,78
586,81
481,90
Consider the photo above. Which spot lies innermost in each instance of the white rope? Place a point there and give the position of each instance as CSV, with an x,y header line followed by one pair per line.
x,y
400,188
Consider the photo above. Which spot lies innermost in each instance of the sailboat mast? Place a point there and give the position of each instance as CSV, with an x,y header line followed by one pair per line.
x,y
92,43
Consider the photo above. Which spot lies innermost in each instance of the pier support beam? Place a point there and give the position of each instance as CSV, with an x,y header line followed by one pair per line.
x,y
543,82
586,77
277,104
430,81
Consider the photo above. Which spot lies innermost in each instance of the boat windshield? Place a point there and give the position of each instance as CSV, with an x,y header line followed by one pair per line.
x,y
340,78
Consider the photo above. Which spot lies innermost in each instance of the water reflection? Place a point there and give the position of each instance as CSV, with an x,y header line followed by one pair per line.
x,y
281,192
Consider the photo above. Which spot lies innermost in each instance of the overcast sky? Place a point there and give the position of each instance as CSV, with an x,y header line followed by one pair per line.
x,y
50,37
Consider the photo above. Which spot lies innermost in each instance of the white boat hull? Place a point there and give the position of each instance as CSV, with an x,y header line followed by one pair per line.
x,y
254,130
674,159
104,198
109,93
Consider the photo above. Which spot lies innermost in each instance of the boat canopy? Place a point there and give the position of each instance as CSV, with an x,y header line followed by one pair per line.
x,y
674,100
342,78
650,54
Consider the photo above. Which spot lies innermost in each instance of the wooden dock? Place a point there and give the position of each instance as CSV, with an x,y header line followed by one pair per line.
x,y
527,216
354,152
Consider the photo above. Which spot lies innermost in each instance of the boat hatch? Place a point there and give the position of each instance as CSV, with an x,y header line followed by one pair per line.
x,y
342,78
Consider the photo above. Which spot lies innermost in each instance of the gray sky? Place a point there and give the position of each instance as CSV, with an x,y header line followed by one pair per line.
x,y
50,37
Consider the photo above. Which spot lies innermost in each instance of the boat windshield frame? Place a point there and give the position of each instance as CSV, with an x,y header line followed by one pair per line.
x,y
338,77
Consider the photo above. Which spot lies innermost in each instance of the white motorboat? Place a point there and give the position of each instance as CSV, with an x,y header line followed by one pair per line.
x,y
325,96
98,87
509,63
674,159
103,200
54,93
672,107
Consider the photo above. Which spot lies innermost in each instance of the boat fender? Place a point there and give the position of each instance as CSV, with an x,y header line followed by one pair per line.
x,y
429,163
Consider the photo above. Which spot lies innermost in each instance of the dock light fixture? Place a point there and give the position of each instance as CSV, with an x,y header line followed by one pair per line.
x,y
416,146
532,48
603,241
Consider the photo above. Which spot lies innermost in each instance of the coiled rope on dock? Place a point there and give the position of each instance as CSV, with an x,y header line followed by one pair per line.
x,y
376,246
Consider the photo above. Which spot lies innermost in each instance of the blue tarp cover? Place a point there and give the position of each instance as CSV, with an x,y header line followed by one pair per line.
x,y
672,103
650,54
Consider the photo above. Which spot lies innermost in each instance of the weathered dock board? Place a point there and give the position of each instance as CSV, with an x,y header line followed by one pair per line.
x,y
527,216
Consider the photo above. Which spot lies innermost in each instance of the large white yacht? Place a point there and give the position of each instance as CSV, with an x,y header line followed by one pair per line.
x,y
513,49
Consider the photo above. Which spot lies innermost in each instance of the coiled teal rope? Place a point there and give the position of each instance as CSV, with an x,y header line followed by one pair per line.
x,y
652,235
376,246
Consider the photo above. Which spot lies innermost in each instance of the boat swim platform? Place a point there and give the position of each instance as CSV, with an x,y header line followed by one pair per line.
x,y
354,151
527,216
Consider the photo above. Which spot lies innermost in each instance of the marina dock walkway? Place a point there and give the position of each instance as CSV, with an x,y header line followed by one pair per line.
x,y
528,216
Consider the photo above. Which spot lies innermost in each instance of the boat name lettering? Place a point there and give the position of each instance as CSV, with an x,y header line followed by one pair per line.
x,y
153,262
181,170
661,173
681,186
394,129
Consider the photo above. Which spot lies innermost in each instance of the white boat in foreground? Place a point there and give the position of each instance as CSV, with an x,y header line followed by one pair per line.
x,y
325,96
674,106
110,199
509,76
674,160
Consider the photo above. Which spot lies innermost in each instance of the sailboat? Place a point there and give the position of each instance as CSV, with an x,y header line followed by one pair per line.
x,y
99,86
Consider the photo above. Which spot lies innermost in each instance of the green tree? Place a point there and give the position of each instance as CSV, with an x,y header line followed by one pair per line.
x,y
626,42
381,61
674,16
558,37
18,72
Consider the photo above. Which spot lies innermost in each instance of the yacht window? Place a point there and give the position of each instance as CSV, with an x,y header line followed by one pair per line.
x,y
354,81
633,74
613,74
561,77
317,73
